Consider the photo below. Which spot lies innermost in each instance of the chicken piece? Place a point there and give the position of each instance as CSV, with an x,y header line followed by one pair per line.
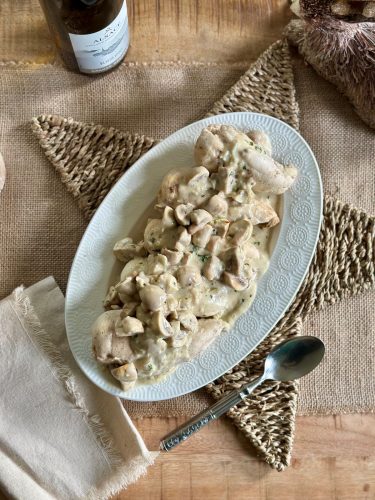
x,y
126,250
208,330
202,237
109,348
189,276
262,139
269,175
157,263
156,236
126,374
213,268
257,212
219,145
185,185
217,206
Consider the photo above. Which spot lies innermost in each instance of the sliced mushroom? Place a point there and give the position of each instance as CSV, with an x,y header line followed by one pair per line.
x,y
188,321
215,245
202,237
126,287
142,280
173,256
178,340
142,314
171,305
217,206
106,346
111,298
153,235
240,231
169,189
153,297
129,309
233,260
238,283
126,250
182,213
183,239
161,325
262,139
199,218
168,220
213,268
157,263
126,374
133,268
189,276
208,150
130,327
197,175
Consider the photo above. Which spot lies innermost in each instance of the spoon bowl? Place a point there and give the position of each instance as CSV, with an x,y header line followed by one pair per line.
x,y
293,358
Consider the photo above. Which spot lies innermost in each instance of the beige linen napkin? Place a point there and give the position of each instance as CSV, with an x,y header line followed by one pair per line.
x,y
60,436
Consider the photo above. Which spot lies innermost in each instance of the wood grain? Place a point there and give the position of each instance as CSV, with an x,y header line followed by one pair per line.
x,y
334,456
203,30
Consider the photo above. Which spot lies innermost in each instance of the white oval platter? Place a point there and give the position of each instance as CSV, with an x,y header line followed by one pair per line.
x,y
94,267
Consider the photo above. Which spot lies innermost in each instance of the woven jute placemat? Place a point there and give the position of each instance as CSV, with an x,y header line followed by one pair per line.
x,y
41,223
90,158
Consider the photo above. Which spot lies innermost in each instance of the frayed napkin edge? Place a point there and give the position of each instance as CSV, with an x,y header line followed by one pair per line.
x,y
124,474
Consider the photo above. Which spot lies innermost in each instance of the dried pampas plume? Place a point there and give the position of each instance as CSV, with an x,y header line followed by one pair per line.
x,y
340,51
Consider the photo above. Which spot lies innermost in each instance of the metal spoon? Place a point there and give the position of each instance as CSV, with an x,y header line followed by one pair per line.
x,y
289,360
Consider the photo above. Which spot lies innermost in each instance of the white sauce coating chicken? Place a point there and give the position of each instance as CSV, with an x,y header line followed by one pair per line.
x,y
197,267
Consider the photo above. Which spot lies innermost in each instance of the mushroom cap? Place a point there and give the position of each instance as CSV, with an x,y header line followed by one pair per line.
x,y
173,256
153,297
168,220
238,283
161,325
130,327
182,213
126,250
217,206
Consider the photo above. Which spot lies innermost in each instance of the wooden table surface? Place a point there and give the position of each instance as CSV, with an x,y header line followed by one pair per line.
x,y
334,456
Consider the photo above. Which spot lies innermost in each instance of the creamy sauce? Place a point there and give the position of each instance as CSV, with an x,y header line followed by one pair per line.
x,y
197,268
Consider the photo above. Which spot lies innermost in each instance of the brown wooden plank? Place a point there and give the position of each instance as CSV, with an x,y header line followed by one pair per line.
x,y
209,30
333,459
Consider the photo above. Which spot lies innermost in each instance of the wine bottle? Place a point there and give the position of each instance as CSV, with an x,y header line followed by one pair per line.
x,y
92,36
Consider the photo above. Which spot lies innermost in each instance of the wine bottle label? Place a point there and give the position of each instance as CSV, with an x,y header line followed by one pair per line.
x,y
100,51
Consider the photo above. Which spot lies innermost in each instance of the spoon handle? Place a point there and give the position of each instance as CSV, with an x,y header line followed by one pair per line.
x,y
204,417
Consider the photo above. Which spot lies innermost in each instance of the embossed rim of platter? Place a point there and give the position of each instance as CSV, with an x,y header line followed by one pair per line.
x,y
290,260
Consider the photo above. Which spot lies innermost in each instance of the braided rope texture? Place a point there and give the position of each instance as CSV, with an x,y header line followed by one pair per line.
x,y
90,158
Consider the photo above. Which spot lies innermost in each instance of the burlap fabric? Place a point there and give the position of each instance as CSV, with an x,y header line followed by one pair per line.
x,y
271,439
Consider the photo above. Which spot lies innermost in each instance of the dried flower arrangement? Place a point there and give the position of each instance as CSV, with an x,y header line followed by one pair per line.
x,y
341,49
